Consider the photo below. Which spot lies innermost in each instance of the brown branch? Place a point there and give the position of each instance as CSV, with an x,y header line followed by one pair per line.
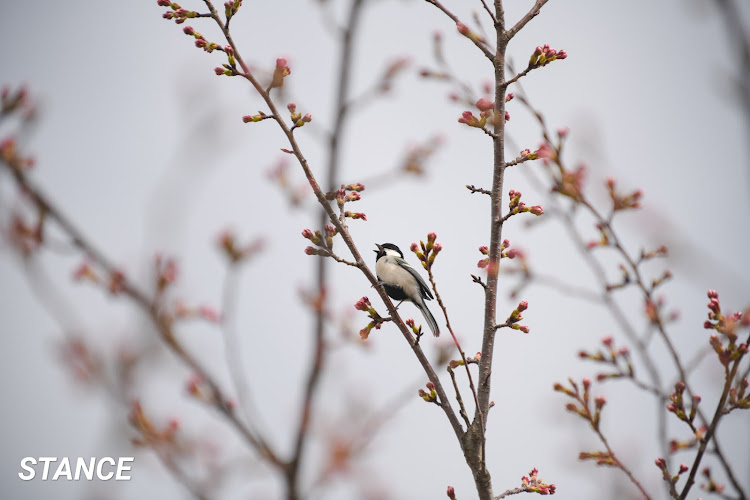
x,y
482,46
729,375
343,231
525,19
147,305
463,358
492,15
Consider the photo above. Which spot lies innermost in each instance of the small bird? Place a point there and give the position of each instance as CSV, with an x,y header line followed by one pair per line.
x,y
403,282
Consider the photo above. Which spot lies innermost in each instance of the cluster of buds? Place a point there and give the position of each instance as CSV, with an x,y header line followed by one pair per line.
x,y
376,322
227,242
623,202
672,480
516,206
347,194
324,242
583,408
26,237
677,405
196,387
619,359
624,280
570,182
534,484
259,117
603,240
543,55
416,156
603,458
11,101
166,272
115,281
662,251
229,68
204,312
455,363
468,118
280,72
486,112
727,325
177,13
391,72
516,316
426,252
297,119
231,8
202,43
699,433
149,435
430,395
11,156
739,397
485,262
415,329
76,355
711,486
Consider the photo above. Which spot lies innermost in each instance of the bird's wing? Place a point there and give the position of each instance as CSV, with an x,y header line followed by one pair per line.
x,y
422,285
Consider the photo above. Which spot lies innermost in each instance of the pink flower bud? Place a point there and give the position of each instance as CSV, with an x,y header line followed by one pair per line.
x,y
362,304
291,107
509,97
463,29
562,54
430,386
485,105
536,210
414,247
507,116
307,118
163,3
188,30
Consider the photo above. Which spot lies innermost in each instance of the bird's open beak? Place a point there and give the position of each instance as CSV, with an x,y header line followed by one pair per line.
x,y
380,248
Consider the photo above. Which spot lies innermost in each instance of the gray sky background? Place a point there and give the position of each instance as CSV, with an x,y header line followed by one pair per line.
x,y
144,147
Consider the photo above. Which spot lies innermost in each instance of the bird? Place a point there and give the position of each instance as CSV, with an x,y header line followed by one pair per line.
x,y
402,282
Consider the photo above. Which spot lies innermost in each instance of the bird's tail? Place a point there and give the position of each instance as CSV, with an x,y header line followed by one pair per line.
x,y
429,317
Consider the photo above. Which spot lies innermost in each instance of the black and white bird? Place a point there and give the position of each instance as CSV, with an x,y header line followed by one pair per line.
x,y
403,282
